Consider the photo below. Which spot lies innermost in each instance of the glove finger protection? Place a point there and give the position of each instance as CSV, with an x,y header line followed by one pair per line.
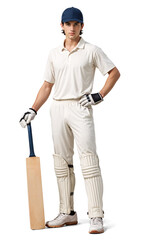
x,y
23,123
83,100
87,104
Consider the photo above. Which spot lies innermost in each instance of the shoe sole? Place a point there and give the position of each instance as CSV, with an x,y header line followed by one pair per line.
x,y
62,225
96,232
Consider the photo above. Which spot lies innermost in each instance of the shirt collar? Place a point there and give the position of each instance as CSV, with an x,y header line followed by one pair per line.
x,y
80,44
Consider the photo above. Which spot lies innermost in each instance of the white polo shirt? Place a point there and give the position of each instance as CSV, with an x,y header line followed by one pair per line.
x,y
73,72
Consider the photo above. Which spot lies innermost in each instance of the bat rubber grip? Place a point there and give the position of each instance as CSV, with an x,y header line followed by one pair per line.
x,y
30,138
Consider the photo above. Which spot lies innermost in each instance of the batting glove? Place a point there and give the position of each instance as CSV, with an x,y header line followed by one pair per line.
x,y
91,99
27,117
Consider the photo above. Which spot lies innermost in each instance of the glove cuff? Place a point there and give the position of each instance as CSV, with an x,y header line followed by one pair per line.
x,y
97,98
33,110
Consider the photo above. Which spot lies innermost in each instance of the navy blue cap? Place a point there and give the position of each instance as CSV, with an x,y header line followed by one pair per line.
x,y
72,14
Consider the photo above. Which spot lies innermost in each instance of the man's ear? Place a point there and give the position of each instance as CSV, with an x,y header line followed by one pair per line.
x,y
82,26
62,26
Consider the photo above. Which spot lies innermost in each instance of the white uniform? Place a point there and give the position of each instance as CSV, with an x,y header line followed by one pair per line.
x,y
73,75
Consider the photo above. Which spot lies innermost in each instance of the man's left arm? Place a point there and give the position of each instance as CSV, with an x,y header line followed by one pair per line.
x,y
95,98
114,75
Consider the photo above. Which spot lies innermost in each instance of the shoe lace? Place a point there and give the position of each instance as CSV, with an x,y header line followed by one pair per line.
x,y
60,215
96,220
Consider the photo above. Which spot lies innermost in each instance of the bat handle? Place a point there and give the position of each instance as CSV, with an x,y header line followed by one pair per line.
x,y
31,147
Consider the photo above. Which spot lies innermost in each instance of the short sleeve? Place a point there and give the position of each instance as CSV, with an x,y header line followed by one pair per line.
x,y
102,62
49,71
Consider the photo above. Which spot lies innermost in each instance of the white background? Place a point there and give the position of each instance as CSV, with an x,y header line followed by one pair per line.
x,y
29,29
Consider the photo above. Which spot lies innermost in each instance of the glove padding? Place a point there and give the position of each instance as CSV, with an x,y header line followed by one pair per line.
x,y
27,117
91,99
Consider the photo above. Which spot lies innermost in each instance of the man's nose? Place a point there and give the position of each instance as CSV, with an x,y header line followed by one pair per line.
x,y
71,27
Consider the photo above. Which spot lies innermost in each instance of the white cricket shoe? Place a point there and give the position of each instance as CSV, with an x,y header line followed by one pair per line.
x,y
96,225
63,219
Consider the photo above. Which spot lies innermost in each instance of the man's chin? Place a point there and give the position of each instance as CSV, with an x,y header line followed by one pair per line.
x,y
73,37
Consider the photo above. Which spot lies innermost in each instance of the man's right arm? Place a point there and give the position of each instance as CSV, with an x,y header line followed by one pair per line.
x,y
42,95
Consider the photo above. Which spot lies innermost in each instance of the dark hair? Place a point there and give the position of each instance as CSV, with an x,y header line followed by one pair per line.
x,y
81,31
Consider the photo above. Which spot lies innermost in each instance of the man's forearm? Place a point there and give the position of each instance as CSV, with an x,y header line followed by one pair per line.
x,y
42,95
114,75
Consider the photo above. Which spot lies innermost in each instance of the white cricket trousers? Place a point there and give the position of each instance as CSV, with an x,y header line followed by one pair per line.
x,y
70,121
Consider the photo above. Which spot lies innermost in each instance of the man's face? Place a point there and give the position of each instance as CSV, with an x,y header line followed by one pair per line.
x,y
72,29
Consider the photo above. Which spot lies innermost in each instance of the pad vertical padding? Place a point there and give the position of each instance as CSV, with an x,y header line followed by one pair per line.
x,y
93,184
63,180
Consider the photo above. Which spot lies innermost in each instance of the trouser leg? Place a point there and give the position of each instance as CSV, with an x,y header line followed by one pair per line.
x,y
82,125
63,157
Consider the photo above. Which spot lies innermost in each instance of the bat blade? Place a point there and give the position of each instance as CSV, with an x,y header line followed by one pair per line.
x,y
35,193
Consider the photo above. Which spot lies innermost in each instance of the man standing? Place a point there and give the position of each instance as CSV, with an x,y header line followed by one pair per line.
x,y
71,68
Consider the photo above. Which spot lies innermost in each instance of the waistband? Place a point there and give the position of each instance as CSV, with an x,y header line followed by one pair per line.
x,y
70,99
65,101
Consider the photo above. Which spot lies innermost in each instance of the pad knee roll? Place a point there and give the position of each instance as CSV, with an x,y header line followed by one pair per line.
x,y
60,166
90,165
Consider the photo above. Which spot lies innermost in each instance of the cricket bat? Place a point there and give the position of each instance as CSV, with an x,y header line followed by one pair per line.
x,y
34,185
